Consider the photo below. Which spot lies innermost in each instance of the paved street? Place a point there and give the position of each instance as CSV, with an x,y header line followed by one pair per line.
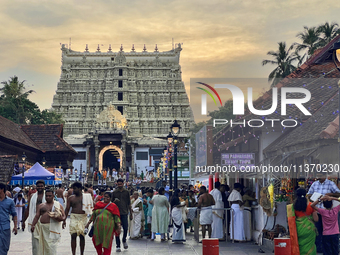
x,y
21,244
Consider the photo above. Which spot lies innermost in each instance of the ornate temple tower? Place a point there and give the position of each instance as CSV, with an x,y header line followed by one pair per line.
x,y
118,106
146,87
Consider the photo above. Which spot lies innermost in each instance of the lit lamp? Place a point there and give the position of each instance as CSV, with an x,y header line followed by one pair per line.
x,y
23,157
170,139
175,130
44,161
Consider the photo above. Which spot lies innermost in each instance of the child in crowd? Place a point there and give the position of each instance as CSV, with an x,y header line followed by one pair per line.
x,y
330,239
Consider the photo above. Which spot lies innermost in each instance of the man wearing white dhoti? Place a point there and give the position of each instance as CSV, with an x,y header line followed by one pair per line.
x,y
33,203
217,225
19,208
50,215
204,203
247,200
236,223
136,222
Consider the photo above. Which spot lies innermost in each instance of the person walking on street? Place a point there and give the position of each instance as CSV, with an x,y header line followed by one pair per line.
x,y
78,218
6,208
160,214
50,215
33,203
106,224
136,219
121,198
60,195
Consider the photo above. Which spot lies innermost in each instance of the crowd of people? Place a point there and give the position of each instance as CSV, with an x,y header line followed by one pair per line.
x,y
112,175
139,212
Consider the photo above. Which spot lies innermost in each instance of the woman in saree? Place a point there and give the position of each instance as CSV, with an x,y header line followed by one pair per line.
x,y
301,217
178,234
106,226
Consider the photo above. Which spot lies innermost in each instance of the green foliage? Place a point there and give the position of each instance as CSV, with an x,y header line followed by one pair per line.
x,y
283,59
312,38
15,105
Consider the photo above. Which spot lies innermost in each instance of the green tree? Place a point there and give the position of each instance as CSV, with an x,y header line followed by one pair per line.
x,y
310,38
283,60
13,100
15,105
328,32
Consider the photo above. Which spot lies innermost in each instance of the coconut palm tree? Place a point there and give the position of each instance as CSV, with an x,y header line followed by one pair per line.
x,y
13,88
310,38
283,59
328,32
14,101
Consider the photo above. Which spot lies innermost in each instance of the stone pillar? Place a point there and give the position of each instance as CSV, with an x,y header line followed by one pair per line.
x,y
124,154
96,149
133,170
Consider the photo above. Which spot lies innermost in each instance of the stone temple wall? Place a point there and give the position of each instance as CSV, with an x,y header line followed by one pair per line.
x,y
145,86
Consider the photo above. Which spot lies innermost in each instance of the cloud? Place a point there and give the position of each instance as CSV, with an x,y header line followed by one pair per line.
x,y
220,38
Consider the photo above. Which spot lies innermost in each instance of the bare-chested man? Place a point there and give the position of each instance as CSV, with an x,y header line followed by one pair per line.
x,y
204,203
78,218
50,215
60,195
33,203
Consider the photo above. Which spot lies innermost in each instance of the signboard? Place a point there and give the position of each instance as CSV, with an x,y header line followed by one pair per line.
x,y
58,172
238,159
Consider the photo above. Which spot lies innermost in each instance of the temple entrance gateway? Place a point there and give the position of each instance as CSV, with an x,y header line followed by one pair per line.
x,y
111,154
111,159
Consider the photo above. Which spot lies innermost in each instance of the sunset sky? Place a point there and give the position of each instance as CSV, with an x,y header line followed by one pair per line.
x,y
223,39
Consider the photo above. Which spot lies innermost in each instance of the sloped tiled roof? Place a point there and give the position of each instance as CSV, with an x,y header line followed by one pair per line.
x,y
313,129
318,74
47,137
12,131
40,137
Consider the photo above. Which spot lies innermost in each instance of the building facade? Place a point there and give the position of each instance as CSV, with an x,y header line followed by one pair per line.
x,y
112,101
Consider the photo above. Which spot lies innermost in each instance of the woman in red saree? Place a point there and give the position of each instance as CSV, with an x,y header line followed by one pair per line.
x,y
106,224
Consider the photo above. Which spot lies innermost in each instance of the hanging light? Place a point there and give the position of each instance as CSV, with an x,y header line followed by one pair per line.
x,y
59,165
23,157
44,161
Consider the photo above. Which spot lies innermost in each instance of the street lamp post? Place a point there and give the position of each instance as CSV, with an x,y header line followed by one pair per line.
x,y
165,151
175,130
170,139
23,170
